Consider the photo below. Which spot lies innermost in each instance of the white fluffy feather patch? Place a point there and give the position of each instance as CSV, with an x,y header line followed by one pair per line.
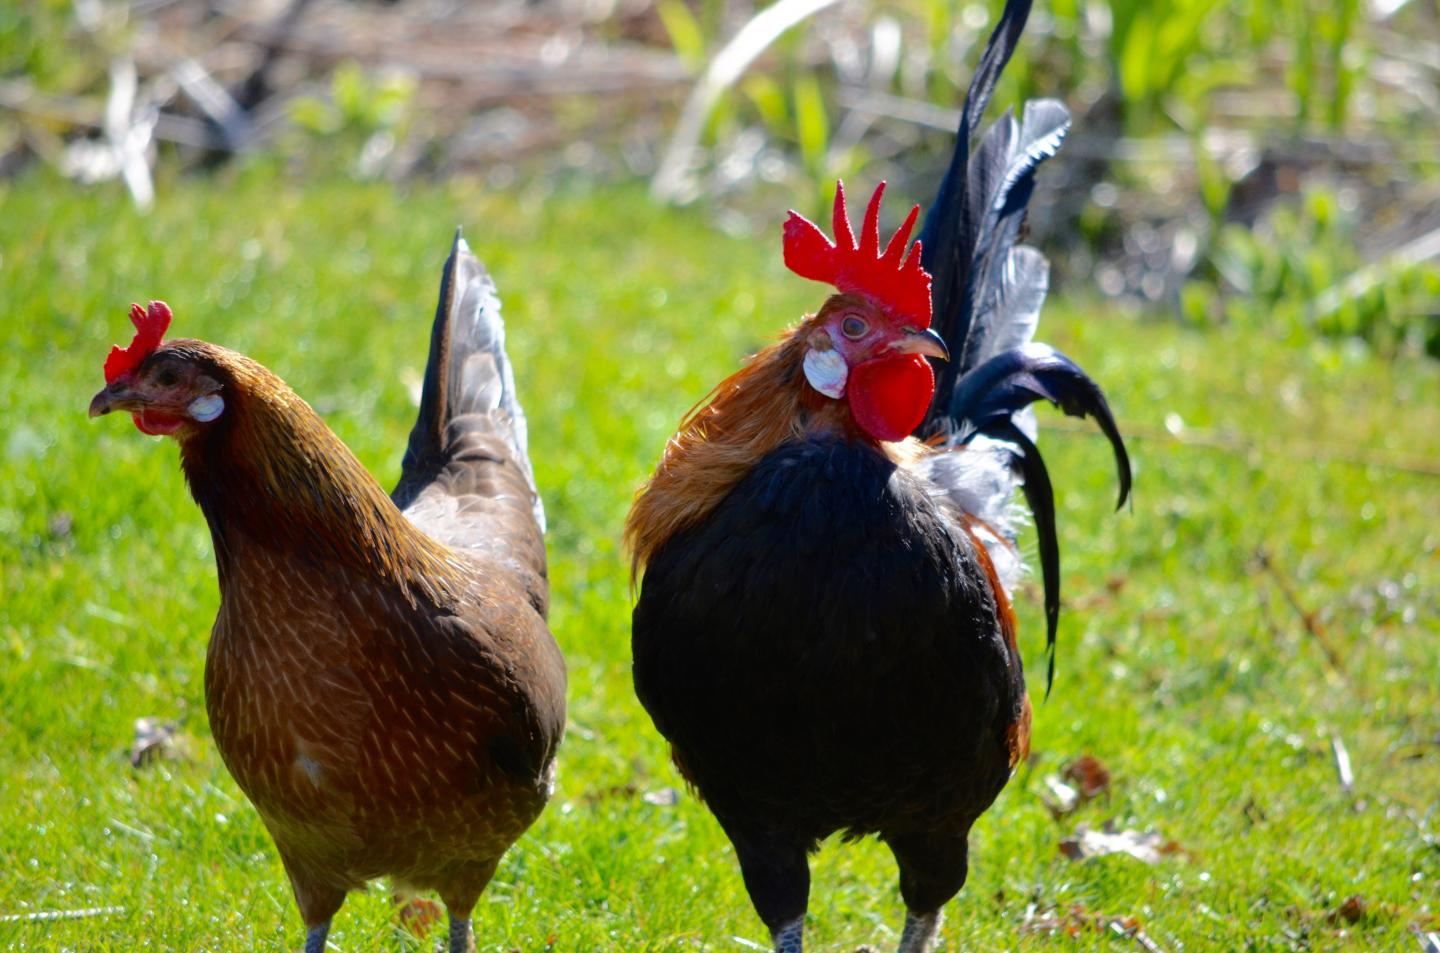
x,y
978,479
826,371
207,408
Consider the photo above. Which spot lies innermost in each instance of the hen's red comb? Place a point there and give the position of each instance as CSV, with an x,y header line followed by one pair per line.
x,y
902,289
150,326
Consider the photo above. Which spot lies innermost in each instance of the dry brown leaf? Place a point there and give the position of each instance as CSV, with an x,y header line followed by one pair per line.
x,y
614,792
1083,779
1077,921
1089,775
1351,911
420,915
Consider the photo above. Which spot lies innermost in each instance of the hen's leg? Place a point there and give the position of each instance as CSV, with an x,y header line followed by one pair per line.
x,y
932,870
318,901
777,877
315,937
460,895
459,935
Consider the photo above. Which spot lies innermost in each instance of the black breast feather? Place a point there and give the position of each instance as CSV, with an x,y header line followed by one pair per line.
x,y
823,651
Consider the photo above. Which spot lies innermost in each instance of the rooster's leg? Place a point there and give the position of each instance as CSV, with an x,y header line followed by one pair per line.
x,y
932,870
791,937
777,877
919,932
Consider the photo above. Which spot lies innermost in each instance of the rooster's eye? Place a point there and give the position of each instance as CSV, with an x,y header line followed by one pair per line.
x,y
853,327
167,377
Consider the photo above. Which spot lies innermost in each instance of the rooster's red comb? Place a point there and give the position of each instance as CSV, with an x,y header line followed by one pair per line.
x,y
150,326
901,288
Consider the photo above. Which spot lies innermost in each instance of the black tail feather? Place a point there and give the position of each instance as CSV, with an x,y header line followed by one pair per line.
x,y
990,395
1002,181
1007,384
1040,497
953,223
987,292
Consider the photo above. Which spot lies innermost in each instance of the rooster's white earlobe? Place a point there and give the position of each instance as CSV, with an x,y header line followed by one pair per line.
x,y
826,371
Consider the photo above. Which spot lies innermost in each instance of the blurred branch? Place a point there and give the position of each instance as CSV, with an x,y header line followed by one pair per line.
x,y
231,121
1166,149
20,97
1418,251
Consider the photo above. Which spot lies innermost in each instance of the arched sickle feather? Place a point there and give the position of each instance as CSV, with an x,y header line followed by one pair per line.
x,y
1015,379
987,400
1040,496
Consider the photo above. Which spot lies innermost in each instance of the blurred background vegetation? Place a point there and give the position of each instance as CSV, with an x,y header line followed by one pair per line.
x,y
1269,163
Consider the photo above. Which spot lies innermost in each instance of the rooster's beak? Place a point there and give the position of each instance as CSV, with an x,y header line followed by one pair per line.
x,y
927,342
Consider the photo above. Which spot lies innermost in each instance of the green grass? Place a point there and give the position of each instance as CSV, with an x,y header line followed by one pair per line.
x,y
1182,665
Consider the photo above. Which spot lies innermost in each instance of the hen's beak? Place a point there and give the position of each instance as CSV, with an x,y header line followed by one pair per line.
x,y
927,342
114,397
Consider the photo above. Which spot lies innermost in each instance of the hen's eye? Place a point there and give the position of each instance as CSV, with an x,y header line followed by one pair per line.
x,y
167,377
853,327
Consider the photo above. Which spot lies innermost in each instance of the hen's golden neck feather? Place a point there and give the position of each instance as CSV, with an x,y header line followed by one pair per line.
x,y
272,471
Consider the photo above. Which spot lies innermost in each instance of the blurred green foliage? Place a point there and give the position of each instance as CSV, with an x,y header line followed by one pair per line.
x,y
1299,273
358,121
35,43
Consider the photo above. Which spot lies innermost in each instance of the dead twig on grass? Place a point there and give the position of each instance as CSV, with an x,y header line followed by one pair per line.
x,y
1309,619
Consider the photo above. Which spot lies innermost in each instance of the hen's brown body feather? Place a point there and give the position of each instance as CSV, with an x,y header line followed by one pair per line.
x,y
378,737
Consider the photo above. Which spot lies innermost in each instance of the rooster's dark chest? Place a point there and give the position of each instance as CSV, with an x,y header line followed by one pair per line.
x,y
824,651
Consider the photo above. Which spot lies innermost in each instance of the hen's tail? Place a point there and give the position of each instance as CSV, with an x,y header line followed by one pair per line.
x,y
466,477
987,292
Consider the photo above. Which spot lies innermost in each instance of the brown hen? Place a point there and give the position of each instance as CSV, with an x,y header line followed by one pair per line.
x,y
380,679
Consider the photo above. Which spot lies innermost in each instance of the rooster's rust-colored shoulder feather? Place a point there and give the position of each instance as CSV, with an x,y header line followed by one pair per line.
x,y
747,415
